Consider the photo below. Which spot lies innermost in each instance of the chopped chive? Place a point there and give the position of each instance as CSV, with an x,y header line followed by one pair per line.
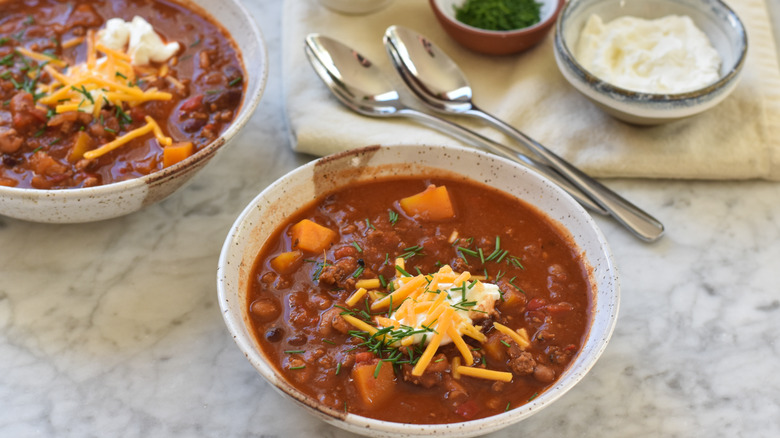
x,y
369,225
357,247
55,141
294,351
110,130
29,20
328,341
235,81
402,271
393,216
481,255
338,368
195,43
376,370
382,280
298,367
507,406
505,343
120,75
470,252
533,396
358,272
83,91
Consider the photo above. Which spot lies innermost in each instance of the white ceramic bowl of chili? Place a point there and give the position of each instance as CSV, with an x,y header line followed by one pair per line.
x,y
125,197
271,208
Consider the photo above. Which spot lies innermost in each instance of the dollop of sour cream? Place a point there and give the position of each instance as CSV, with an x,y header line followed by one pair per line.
x,y
666,55
138,39
480,299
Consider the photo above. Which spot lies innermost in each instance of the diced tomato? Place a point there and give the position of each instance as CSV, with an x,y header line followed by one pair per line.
x,y
468,409
561,307
536,303
364,356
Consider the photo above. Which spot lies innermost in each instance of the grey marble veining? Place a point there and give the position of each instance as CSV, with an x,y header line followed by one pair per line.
x,y
112,328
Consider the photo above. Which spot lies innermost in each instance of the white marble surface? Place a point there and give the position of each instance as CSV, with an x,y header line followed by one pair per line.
x,y
112,329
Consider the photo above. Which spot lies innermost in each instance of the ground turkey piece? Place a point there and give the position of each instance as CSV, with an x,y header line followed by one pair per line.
x,y
433,375
340,273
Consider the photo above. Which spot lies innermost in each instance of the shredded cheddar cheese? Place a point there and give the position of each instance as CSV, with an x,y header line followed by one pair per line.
x,y
107,78
483,373
521,340
434,309
355,297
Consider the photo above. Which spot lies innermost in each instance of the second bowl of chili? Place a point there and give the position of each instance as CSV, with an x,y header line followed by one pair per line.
x,y
107,108
326,282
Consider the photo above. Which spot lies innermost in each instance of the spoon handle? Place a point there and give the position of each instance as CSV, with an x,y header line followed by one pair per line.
x,y
632,217
504,151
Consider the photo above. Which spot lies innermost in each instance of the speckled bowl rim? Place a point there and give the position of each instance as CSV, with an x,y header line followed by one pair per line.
x,y
609,299
249,103
566,55
547,22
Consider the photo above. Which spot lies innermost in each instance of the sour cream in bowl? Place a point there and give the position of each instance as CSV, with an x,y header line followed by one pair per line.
x,y
654,61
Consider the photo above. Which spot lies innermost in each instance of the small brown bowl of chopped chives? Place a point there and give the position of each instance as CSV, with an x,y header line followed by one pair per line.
x,y
497,27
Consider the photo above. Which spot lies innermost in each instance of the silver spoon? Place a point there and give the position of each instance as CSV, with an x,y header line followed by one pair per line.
x,y
360,86
440,84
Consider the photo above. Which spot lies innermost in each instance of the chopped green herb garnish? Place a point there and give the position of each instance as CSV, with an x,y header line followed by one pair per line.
x,y
357,247
393,216
298,367
109,130
499,14
470,252
402,271
328,341
121,75
338,368
369,225
376,370
505,343
4,40
29,20
533,396
83,91
294,351
411,252
8,60
235,81
195,43
358,272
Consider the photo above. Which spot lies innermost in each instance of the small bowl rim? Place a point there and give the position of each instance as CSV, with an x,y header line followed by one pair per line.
x,y
567,56
235,321
542,24
250,100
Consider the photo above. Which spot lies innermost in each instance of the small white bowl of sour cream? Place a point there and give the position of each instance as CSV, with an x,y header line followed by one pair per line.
x,y
660,90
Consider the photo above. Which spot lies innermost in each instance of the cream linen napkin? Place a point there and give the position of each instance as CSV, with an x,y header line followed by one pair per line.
x,y
738,139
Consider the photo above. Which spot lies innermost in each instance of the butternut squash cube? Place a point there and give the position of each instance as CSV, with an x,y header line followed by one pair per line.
x,y
432,204
286,262
311,237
